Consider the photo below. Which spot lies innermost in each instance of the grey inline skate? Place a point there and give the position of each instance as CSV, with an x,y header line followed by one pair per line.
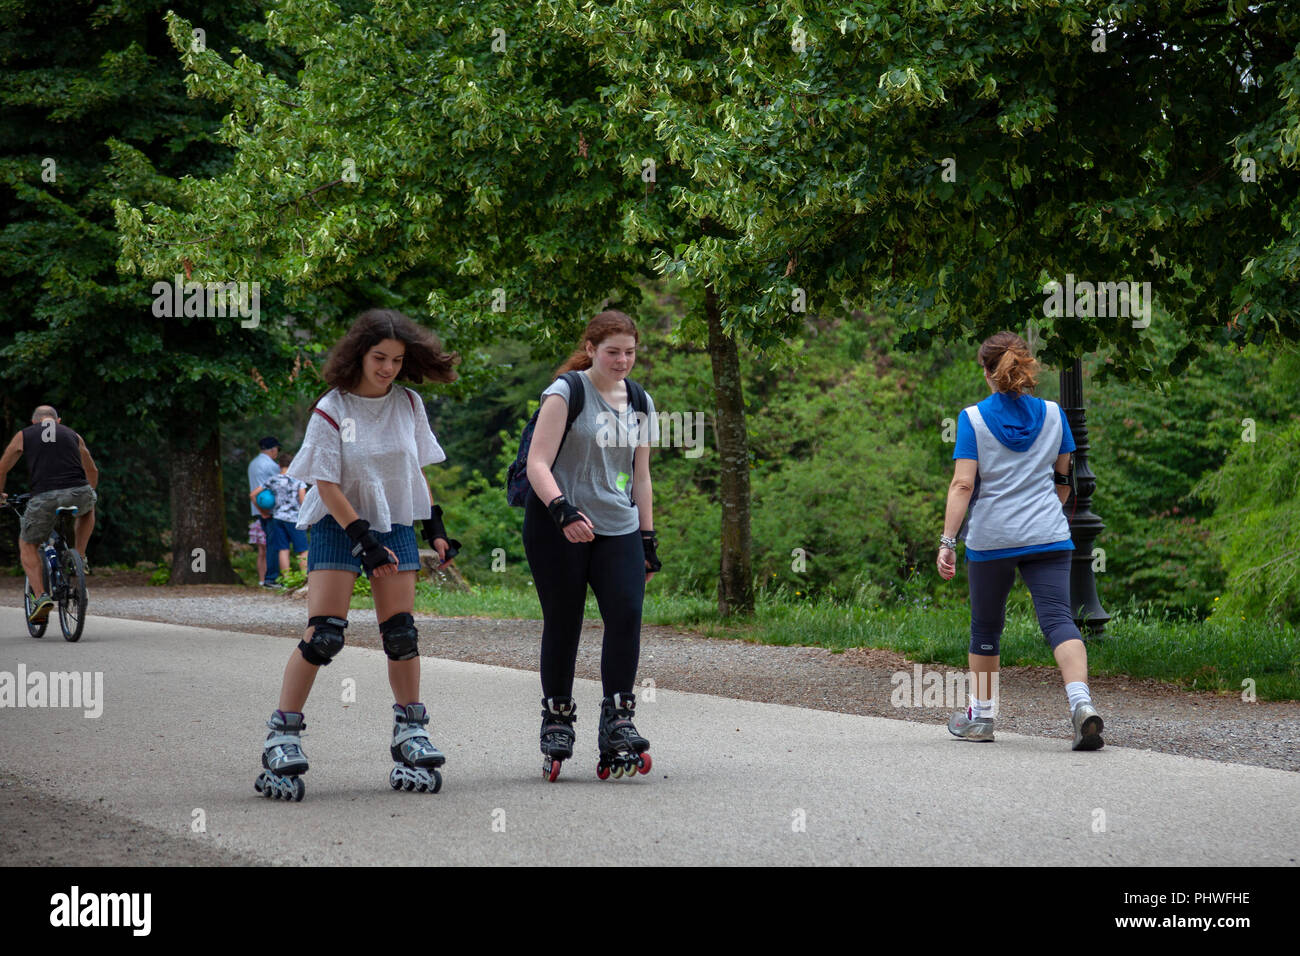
x,y
622,750
283,758
558,715
415,759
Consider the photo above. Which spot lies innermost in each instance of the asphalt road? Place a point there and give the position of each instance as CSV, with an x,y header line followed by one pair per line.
x,y
734,782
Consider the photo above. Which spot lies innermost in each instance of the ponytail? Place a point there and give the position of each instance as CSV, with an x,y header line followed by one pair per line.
x,y
1006,358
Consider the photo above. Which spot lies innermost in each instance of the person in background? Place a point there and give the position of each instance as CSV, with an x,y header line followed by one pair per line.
x,y
289,494
262,467
61,474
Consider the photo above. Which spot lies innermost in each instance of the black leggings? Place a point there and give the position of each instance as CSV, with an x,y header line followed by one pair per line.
x,y
615,567
1046,574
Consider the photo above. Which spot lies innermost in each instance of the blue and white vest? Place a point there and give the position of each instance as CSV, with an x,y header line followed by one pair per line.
x,y
1016,505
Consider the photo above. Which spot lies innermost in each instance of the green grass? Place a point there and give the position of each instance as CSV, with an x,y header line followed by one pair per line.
x,y
1212,655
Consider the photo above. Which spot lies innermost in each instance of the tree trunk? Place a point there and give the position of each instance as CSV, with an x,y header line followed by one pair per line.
x,y
200,551
735,580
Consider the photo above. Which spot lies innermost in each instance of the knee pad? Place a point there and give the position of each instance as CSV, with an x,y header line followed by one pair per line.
x,y
326,639
401,639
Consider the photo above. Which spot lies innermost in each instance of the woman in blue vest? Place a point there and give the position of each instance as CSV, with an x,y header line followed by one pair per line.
x,y
1013,466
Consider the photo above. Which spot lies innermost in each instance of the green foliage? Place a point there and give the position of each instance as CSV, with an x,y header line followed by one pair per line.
x,y
1257,512
94,110
795,151
161,577
1155,448
847,464
294,579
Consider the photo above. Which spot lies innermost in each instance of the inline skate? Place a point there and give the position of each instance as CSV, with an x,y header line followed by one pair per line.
x,y
558,715
283,758
415,759
622,750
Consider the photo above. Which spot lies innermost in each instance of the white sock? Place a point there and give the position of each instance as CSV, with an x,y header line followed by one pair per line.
x,y
1077,691
980,709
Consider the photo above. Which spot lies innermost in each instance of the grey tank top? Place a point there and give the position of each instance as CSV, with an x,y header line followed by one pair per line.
x,y
594,467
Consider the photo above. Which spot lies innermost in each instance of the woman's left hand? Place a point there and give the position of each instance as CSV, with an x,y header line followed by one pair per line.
x,y
947,563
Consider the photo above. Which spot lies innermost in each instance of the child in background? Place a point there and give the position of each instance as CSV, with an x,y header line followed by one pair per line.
x,y
289,494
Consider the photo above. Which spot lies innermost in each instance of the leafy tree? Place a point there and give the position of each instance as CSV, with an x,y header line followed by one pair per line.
x,y
93,110
776,159
1257,510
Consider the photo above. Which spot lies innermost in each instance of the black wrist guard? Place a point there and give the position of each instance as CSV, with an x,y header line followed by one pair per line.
x,y
366,546
563,512
1060,479
432,528
650,542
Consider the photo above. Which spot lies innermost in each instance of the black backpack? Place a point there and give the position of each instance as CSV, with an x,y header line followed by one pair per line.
x,y
518,487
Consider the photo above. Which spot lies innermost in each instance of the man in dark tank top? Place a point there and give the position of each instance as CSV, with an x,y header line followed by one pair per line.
x,y
62,474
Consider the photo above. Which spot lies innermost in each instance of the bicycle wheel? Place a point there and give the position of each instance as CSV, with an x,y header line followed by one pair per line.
x,y
72,595
29,602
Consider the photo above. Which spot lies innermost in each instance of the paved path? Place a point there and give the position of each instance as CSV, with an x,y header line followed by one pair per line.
x,y
734,782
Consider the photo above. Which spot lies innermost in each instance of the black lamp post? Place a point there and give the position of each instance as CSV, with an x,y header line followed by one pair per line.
x,y
1084,525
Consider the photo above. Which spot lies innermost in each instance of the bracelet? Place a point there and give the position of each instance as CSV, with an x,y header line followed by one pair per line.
x,y
947,542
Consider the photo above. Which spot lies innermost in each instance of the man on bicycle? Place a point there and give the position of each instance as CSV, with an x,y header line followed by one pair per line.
x,y
62,474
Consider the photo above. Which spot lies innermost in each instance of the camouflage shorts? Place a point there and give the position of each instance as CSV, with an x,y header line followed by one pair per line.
x,y
38,519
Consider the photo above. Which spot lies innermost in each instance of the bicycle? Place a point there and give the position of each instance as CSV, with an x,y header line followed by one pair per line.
x,y
63,574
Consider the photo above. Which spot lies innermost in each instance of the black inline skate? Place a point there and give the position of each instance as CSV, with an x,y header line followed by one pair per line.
x,y
622,750
415,758
558,715
283,758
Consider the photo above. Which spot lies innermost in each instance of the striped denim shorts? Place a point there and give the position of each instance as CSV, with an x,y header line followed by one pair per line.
x,y
330,548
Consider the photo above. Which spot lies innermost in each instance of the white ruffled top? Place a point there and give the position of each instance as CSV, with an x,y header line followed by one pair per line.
x,y
374,456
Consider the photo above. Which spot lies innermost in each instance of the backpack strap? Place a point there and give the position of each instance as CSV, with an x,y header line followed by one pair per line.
x,y
637,397
577,395
577,398
325,416
315,408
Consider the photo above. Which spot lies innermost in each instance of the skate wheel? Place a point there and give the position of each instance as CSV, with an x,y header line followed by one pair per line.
x,y
437,782
299,788
618,770
602,772
394,780
551,770
644,763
